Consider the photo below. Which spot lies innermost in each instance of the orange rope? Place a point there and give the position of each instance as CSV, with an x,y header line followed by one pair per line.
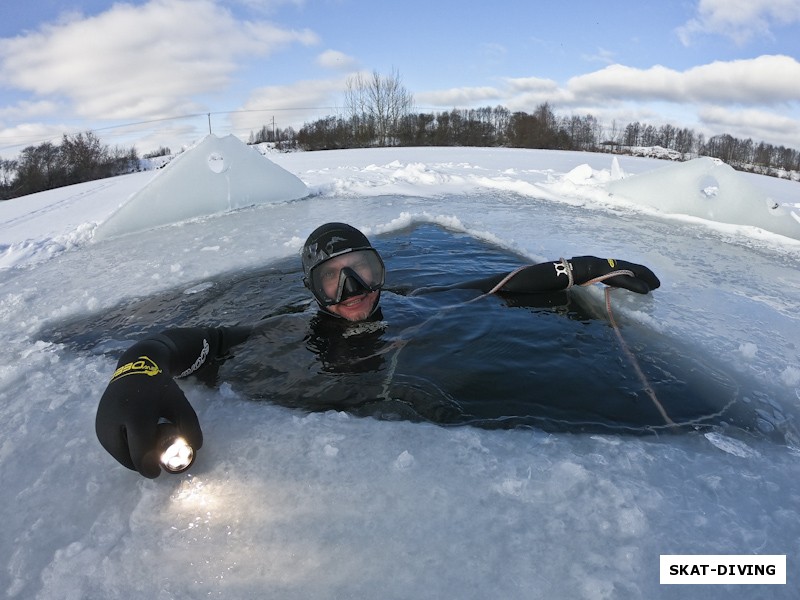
x,y
631,357
400,343
635,363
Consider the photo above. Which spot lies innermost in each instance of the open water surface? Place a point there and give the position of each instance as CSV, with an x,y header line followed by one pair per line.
x,y
541,360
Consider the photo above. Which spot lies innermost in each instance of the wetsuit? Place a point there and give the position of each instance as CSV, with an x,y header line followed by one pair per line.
x,y
142,390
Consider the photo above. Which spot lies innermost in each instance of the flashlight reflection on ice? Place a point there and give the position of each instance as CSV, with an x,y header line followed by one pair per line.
x,y
176,453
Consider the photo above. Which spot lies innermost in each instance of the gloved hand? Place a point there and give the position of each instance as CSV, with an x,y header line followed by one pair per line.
x,y
128,415
586,268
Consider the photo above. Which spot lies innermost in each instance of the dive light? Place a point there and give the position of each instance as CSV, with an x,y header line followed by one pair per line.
x,y
175,453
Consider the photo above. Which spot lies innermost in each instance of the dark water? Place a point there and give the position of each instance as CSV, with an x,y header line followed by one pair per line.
x,y
529,360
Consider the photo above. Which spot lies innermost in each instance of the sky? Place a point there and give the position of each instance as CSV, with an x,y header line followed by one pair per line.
x,y
163,72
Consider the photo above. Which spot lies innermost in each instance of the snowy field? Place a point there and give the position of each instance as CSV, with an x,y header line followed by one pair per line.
x,y
282,504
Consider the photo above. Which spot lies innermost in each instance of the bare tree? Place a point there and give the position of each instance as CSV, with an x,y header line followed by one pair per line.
x,y
8,171
377,105
84,156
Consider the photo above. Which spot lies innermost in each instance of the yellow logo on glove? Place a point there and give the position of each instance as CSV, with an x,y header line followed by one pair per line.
x,y
142,366
612,262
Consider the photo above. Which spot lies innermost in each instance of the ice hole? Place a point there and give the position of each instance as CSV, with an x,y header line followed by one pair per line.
x,y
709,186
216,162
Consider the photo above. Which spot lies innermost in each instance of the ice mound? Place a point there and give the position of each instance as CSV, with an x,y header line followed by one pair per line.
x,y
709,189
217,175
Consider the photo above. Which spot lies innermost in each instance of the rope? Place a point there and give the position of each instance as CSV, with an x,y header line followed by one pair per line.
x,y
625,348
505,280
400,343
635,363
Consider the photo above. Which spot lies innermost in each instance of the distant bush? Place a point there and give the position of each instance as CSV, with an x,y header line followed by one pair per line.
x,y
79,158
162,151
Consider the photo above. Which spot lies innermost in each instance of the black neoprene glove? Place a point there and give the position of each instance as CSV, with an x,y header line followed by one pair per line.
x,y
586,268
127,418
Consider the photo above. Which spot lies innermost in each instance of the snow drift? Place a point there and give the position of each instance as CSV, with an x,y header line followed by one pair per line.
x,y
216,175
709,189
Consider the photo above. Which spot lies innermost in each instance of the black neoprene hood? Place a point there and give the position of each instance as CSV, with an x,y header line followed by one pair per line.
x,y
331,240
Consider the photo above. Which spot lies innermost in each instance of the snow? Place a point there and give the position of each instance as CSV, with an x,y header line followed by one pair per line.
x,y
217,175
292,505
709,189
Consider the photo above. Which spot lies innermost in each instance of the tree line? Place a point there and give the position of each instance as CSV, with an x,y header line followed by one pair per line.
x,y
542,129
77,159
379,111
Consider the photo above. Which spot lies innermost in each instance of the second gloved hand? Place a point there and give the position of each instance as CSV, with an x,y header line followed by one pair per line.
x,y
586,268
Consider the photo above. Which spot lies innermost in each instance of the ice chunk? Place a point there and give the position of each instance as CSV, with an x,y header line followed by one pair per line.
x,y
709,189
730,445
790,376
404,461
748,349
330,451
579,175
200,287
216,175
616,171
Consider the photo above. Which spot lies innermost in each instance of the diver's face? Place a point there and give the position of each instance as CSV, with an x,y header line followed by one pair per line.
x,y
360,262
327,279
356,308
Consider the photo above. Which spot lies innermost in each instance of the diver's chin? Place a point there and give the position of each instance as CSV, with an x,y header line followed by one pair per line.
x,y
356,308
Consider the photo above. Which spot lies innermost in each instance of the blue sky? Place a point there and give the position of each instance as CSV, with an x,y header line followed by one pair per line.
x,y
717,66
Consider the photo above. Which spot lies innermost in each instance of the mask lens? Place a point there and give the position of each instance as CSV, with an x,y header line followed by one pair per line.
x,y
363,267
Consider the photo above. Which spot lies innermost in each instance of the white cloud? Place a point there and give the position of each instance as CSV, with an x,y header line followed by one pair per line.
x,y
333,59
526,93
312,93
458,97
601,56
739,20
291,105
140,61
27,109
765,80
751,123
26,134
521,93
762,80
531,84
267,6
721,97
622,82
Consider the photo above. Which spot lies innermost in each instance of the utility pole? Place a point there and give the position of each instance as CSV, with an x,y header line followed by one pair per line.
x,y
273,129
209,123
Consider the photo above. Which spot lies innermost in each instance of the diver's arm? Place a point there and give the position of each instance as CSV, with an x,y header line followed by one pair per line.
x,y
560,275
190,348
142,392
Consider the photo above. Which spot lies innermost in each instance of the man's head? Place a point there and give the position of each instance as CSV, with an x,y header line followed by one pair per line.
x,y
343,271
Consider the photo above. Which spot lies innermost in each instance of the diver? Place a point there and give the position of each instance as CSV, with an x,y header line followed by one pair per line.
x,y
345,275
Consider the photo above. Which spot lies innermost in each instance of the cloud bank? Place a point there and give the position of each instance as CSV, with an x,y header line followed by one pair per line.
x,y
724,97
166,58
739,20
145,61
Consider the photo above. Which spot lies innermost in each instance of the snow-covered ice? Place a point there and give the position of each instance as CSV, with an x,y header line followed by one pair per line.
x,y
291,505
